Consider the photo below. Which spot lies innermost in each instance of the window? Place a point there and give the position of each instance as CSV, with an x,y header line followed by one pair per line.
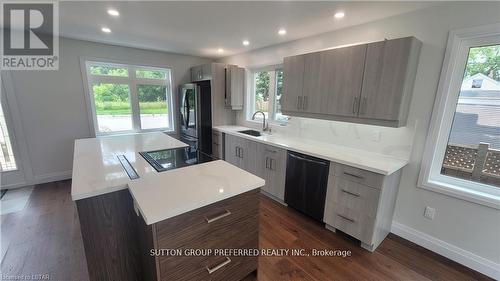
x,y
266,92
7,160
127,98
462,156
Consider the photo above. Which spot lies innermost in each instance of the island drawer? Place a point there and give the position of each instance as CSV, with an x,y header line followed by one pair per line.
x,y
212,267
221,221
360,176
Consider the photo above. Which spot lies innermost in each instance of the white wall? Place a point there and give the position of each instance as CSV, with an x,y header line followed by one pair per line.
x,y
468,228
52,107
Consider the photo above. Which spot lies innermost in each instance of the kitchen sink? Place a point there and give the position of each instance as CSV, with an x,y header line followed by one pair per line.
x,y
251,133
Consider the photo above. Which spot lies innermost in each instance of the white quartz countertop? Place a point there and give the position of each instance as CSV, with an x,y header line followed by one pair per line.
x,y
158,196
374,162
96,169
171,193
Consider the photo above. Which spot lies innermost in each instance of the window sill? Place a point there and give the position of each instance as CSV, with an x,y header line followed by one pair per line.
x,y
466,194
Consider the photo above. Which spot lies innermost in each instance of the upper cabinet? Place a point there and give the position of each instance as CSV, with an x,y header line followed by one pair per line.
x,y
389,75
369,83
201,72
292,83
235,77
232,78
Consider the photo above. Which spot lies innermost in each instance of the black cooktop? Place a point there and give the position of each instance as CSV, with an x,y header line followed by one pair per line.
x,y
168,159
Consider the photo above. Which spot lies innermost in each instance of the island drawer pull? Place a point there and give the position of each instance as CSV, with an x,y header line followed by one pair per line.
x,y
216,218
346,218
353,175
351,193
219,266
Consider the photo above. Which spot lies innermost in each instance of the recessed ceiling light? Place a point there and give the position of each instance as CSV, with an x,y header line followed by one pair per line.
x,y
246,42
339,15
113,12
106,30
220,51
282,31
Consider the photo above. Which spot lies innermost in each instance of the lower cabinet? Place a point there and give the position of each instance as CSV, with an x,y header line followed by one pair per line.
x,y
265,161
229,224
272,161
217,144
360,203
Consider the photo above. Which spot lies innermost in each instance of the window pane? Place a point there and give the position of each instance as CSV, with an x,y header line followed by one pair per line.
x,y
153,74
7,161
473,150
153,106
279,91
109,71
262,81
112,105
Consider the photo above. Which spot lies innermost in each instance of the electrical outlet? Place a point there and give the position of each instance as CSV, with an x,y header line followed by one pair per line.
x,y
429,212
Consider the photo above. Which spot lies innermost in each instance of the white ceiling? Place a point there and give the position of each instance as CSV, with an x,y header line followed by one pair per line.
x,y
200,28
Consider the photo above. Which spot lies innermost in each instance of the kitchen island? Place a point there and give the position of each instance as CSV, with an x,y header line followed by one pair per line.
x,y
125,222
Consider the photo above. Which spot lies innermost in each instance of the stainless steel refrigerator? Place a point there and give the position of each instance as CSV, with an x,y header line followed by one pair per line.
x,y
196,115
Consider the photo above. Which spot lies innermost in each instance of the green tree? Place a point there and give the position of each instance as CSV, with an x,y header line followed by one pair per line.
x,y
485,60
262,86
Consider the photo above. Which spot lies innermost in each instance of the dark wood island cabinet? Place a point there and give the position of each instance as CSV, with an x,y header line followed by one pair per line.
x,y
231,224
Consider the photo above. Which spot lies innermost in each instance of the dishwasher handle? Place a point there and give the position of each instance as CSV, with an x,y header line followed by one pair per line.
x,y
324,162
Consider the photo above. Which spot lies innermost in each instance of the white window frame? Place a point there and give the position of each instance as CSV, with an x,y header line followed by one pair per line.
x,y
132,81
272,96
457,50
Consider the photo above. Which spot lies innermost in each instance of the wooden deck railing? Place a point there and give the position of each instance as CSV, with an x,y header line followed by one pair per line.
x,y
480,163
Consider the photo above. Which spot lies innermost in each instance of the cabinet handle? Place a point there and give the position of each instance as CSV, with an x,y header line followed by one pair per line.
x,y
346,218
304,104
267,160
241,153
236,151
351,193
353,175
299,106
354,105
362,107
216,218
219,266
271,166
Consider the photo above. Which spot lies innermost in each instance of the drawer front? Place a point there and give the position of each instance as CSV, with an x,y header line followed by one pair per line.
x,y
354,223
360,176
229,224
355,196
206,225
211,267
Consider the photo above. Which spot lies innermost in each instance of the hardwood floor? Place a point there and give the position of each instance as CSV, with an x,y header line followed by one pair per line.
x,y
45,238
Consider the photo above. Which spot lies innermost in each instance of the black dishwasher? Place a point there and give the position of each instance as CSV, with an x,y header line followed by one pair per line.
x,y
306,182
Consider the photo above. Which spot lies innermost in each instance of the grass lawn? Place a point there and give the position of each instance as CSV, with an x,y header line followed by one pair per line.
x,y
123,108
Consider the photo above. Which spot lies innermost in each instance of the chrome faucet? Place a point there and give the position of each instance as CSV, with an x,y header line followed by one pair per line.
x,y
265,127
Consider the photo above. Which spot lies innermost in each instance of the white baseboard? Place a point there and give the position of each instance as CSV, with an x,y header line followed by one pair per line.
x,y
464,257
50,177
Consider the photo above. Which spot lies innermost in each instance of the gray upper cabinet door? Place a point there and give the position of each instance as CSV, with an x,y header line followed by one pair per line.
x,y
235,87
196,73
206,71
340,79
311,92
293,74
389,74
